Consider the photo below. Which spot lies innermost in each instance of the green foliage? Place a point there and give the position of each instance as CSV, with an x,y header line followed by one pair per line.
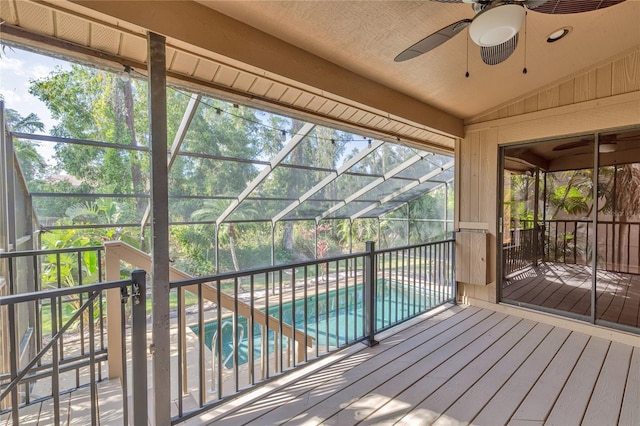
x,y
32,164
89,104
96,105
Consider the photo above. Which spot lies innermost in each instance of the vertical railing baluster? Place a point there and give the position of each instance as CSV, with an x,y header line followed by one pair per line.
x,y
202,398
37,307
421,286
280,327
369,293
92,365
292,341
390,288
235,340
82,343
403,286
430,275
317,311
181,361
59,310
265,330
326,305
218,361
55,363
346,302
250,325
123,357
337,310
383,286
13,360
306,313
628,247
139,346
375,296
396,298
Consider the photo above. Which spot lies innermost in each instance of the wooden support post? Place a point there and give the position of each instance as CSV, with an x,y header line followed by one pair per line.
x,y
114,324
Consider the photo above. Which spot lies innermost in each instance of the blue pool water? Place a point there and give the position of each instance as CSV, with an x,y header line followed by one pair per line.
x,y
331,323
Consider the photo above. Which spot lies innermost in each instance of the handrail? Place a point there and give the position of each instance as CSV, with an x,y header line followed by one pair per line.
x,y
142,260
24,253
34,369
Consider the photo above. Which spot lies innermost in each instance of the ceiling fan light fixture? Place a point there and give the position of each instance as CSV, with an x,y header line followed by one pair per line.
x,y
496,25
558,34
607,147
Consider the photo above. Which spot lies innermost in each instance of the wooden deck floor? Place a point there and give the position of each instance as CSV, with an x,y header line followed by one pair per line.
x,y
75,408
464,365
567,288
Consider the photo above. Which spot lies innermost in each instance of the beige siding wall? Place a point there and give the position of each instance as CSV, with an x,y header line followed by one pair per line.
x,y
616,77
606,97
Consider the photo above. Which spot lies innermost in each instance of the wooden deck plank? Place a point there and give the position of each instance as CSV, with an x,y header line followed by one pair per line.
x,y
440,367
539,370
605,292
30,414
573,290
572,402
47,414
387,391
612,313
629,313
324,401
512,369
444,397
80,407
478,395
630,411
528,288
351,369
566,287
606,399
110,404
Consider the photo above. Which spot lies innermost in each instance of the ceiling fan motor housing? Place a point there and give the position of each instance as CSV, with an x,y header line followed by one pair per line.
x,y
496,24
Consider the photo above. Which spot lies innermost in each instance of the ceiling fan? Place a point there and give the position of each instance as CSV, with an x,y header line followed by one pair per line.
x,y
607,144
496,25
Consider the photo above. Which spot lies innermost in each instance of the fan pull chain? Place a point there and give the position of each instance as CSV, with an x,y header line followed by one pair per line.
x,y
467,73
524,70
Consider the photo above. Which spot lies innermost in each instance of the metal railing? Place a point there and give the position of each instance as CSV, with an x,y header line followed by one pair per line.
x,y
332,302
523,250
572,242
38,270
71,344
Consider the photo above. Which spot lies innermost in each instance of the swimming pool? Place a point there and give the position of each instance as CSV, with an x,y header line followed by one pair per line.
x,y
333,322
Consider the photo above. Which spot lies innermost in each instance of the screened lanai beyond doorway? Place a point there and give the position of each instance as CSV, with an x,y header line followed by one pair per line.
x,y
570,246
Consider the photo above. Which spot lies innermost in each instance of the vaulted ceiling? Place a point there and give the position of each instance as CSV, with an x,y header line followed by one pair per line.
x,y
365,36
332,59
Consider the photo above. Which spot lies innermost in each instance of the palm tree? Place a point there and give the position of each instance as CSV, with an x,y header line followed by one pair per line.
x,y
211,210
31,161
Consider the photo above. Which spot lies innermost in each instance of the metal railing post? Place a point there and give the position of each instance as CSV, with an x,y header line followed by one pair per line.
x,y
139,346
370,293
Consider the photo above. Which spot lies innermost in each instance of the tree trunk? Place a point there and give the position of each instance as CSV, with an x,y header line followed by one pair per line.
x,y
287,235
136,172
138,181
234,257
